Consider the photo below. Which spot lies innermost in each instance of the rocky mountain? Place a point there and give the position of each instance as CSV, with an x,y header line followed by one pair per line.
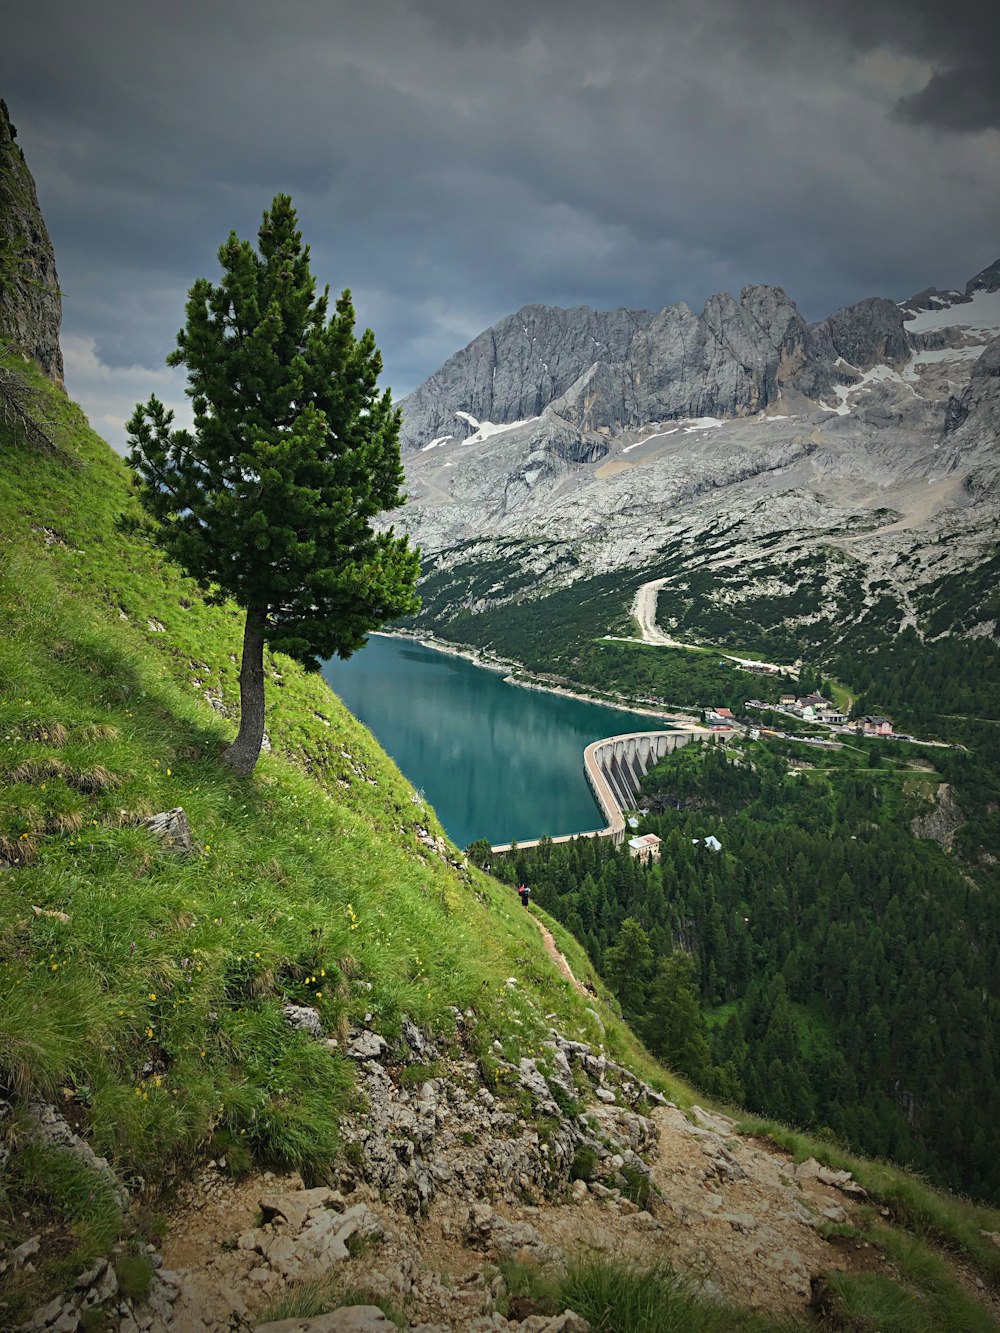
x,y
30,301
515,369
853,444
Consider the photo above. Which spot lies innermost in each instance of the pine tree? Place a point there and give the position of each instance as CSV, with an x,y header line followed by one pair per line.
x,y
628,963
269,500
675,1028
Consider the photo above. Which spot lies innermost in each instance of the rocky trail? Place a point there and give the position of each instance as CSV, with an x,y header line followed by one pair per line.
x,y
566,1155
735,1215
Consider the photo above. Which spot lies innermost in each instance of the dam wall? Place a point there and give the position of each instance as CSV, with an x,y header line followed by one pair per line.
x,y
614,768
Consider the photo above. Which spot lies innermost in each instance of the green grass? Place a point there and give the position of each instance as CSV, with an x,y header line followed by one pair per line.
x,y
624,1296
306,1300
925,1298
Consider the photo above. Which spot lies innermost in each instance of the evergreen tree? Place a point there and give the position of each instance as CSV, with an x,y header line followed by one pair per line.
x,y
675,1028
628,963
269,500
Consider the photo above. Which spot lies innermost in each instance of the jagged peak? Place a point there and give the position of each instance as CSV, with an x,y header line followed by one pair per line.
x,y
986,280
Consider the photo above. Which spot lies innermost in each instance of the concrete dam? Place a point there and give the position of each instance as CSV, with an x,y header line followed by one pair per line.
x,y
615,767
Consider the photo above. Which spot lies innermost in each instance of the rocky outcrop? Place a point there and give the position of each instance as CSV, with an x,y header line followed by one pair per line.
x,y
987,280
724,362
866,334
981,397
30,301
943,821
605,372
450,1136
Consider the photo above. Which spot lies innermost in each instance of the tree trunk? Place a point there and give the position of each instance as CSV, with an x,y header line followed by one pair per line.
x,y
244,752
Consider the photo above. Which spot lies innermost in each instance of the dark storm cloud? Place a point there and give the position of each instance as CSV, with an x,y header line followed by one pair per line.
x,y
451,161
959,42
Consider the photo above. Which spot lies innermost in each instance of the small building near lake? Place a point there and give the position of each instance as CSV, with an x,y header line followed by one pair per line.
x,y
645,848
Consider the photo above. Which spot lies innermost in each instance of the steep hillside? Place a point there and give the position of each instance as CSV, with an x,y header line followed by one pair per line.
x,y
319,985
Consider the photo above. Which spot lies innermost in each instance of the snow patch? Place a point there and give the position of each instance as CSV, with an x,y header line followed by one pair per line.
x,y
701,423
646,438
469,418
982,314
911,374
877,374
485,429
436,442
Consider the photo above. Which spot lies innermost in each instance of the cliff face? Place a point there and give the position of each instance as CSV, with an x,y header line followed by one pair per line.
x,y
30,301
513,370
618,370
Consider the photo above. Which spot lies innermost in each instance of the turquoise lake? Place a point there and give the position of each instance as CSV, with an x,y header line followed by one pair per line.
x,y
495,760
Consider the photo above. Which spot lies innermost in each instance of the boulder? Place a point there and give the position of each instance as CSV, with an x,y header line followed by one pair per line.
x,y
367,1046
172,829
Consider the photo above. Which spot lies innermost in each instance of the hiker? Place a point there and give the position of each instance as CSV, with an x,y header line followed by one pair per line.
x,y
524,893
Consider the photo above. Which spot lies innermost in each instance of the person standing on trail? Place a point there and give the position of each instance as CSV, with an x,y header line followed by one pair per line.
x,y
524,893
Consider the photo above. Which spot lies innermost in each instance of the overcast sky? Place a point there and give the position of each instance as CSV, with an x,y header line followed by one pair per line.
x,y
452,161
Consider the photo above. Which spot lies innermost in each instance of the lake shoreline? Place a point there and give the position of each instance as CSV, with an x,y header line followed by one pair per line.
x,y
528,681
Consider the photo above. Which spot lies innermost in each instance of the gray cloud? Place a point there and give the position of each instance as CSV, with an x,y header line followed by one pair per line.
x,y
451,162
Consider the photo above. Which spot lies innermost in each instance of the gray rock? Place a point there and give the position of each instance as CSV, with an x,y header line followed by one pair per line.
x,y
513,370
303,1018
810,1169
532,1080
503,1238
367,1046
30,300
865,334
103,1289
415,1039
46,1314
987,280
25,1251
173,830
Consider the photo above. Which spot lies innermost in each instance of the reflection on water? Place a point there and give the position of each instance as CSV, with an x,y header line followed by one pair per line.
x,y
496,761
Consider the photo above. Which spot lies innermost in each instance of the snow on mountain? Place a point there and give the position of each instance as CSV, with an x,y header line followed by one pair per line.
x,y
980,314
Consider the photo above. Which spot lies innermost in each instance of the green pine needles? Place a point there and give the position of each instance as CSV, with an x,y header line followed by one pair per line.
x,y
270,499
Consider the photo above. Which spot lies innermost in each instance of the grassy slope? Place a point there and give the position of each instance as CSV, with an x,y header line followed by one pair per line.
x,y
154,1012
160,998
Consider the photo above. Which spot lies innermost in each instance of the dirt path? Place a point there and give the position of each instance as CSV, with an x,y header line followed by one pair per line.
x,y
644,612
552,949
